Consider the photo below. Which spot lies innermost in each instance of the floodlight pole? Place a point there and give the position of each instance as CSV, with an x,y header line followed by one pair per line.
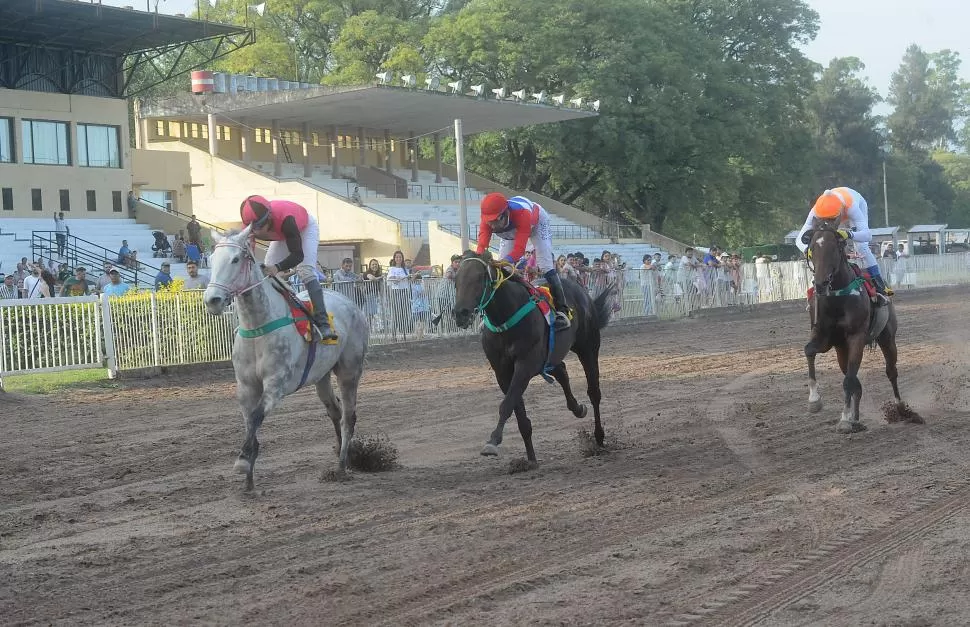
x,y
460,166
885,193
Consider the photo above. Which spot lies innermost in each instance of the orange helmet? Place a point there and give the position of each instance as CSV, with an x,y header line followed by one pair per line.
x,y
829,205
254,210
493,205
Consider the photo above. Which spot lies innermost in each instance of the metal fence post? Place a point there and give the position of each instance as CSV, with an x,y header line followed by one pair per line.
x,y
111,357
156,348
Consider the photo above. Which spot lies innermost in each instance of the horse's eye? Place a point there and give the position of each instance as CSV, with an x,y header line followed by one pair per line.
x,y
235,259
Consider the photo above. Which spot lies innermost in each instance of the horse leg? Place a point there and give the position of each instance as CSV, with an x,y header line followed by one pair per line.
x,y
850,360
331,402
887,342
812,349
591,366
559,372
349,380
513,382
255,408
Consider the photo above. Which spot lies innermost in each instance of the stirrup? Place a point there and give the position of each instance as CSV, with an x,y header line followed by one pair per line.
x,y
324,332
564,317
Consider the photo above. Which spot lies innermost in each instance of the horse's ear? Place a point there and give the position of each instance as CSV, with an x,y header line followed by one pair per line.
x,y
807,236
216,235
246,232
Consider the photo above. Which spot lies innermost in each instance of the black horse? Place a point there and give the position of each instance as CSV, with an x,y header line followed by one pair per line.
x,y
518,347
844,316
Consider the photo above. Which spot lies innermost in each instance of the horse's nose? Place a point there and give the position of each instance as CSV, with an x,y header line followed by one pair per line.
x,y
215,300
462,313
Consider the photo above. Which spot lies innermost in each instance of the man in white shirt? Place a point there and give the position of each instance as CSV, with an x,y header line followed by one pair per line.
x,y
32,283
61,232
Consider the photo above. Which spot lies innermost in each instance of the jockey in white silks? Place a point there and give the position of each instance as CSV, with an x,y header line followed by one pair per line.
x,y
515,221
852,212
294,237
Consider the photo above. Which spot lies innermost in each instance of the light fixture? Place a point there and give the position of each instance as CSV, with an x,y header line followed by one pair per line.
x,y
479,90
558,100
577,102
596,105
499,92
540,98
384,77
519,95
433,83
455,87
409,80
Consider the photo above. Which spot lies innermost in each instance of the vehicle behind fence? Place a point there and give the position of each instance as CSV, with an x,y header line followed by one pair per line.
x,y
146,330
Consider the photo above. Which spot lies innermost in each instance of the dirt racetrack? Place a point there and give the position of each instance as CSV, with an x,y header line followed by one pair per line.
x,y
721,500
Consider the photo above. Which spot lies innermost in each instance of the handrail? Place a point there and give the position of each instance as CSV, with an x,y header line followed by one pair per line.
x,y
46,242
186,216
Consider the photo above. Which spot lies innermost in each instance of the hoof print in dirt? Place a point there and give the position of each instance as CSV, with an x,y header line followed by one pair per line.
x,y
846,426
372,454
901,412
521,465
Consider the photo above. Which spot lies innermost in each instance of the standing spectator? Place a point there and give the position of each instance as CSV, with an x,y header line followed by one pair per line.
x,y
420,309
195,231
115,287
373,279
9,288
899,274
345,281
446,289
63,273
648,283
32,281
195,281
178,249
400,293
47,289
132,203
164,277
77,286
104,279
23,268
61,232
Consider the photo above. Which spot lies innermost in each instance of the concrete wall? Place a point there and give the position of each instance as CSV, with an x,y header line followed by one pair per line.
x,y
50,179
219,186
164,171
442,245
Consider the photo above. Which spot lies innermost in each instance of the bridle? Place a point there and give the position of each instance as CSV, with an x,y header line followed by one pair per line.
x,y
487,282
244,281
824,288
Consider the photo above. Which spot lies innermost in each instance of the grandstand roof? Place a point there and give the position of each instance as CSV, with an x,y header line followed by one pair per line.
x,y
97,28
927,228
401,111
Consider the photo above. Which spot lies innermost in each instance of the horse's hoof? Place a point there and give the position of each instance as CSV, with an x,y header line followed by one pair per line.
x,y
848,426
249,483
814,406
242,466
490,450
583,410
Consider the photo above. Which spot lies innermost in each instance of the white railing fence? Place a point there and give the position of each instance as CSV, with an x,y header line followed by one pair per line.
x,y
147,329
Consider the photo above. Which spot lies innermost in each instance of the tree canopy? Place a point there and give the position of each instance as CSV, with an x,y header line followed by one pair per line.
x,y
713,124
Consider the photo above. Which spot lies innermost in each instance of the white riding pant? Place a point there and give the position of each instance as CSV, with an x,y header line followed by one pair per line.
x,y
541,239
310,238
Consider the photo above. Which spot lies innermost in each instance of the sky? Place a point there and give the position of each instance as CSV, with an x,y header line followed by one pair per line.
x,y
876,31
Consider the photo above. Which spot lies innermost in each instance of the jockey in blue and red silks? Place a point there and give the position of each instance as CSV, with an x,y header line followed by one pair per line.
x,y
515,221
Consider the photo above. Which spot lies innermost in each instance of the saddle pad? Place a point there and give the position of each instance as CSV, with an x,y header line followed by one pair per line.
x,y
303,323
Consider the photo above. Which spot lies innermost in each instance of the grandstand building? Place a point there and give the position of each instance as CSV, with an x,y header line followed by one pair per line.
x,y
66,70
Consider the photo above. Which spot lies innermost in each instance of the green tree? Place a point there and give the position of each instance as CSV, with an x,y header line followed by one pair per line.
x,y
923,116
369,42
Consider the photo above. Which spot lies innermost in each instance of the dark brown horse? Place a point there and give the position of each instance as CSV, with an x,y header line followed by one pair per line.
x,y
516,340
845,317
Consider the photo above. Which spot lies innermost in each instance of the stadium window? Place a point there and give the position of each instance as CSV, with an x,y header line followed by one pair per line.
x,y
36,200
315,138
65,200
92,200
175,129
6,195
6,140
223,133
204,130
160,128
116,202
97,146
45,142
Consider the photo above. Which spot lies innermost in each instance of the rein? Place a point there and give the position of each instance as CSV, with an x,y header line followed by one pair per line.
x,y
825,288
245,283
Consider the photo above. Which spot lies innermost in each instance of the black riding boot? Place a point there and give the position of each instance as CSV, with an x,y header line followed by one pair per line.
x,y
320,318
558,295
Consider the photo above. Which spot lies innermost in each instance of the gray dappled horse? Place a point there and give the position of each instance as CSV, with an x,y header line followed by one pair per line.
x,y
515,337
844,317
277,360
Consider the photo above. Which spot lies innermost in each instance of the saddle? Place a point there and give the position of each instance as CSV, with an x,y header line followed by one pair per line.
x,y
303,323
541,295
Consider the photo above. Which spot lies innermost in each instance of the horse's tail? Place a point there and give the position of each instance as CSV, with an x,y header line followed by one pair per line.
x,y
602,307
